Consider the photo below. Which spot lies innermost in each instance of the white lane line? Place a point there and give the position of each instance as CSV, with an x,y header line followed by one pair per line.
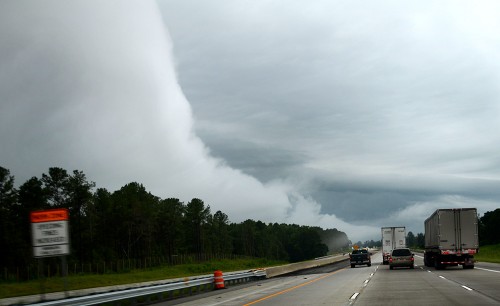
x,y
488,270
371,275
463,286
366,281
354,296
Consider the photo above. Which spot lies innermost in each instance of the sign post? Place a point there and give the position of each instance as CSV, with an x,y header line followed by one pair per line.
x,y
50,236
50,232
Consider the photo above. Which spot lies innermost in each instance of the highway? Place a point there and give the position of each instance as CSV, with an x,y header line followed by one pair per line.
x,y
338,284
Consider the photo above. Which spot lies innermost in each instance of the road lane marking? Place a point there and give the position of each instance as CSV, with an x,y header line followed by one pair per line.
x,y
354,296
292,288
488,270
249,293
454,281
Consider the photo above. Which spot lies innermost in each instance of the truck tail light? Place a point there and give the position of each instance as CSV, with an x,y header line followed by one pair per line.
x,y
390,259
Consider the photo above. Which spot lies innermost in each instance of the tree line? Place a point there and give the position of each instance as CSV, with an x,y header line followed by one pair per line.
x,y
132,223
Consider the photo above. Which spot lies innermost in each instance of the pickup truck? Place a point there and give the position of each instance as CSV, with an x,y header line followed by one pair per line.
x,y
360,257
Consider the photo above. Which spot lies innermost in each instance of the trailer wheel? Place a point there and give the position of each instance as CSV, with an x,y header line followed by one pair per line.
x,y
353,265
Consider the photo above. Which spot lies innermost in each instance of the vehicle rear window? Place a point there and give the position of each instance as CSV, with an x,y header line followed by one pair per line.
x,y
401,252
359,251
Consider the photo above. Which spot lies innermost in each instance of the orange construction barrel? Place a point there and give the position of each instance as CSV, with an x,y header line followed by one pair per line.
x,y
218,280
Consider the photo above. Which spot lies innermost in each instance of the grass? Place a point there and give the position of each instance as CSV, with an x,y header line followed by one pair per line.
x,y
56,284
489,253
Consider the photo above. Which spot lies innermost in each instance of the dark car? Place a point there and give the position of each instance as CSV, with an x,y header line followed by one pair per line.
x,y
360,257
401,258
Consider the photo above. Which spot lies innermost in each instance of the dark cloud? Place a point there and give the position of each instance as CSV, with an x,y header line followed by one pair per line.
x,y
347,115
371,110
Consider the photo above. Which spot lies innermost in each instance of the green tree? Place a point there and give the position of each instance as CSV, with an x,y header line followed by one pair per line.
x,y
278,240
75,193
220,236
78,199
411,240
105,238
56,187
195,222
8,201
134,209
489,227
133,223
170,220
8,194
309,244
420,241
31,198
245,235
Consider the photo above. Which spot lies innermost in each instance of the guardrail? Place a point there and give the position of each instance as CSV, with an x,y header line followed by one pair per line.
x,y
157,293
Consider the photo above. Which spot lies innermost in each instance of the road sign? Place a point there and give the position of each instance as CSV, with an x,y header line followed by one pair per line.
x,y
50,232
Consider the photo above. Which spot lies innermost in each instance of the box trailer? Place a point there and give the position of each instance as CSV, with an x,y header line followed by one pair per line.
x,y
392,238
451,238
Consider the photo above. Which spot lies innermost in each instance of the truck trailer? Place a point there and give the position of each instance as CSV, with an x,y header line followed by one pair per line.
x,y
392,238
451,238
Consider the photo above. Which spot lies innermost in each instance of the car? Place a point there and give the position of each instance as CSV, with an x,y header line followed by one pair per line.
x,y
360,257
401,257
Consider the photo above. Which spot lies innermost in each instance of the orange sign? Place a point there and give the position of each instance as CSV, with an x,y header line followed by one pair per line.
x,y
59,214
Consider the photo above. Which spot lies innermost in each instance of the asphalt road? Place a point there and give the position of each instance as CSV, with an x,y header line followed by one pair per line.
x,y
338,284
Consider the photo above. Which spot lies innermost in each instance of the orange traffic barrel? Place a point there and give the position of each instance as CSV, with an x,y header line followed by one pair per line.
x,y
218,280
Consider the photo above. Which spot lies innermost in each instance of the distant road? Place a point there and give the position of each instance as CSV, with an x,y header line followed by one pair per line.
x,y
338,284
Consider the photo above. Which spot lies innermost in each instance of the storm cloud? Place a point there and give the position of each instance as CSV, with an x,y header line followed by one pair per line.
x,y
342,115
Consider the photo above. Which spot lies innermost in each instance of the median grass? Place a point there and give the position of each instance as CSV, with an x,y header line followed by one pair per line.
x,y
56,284
489,253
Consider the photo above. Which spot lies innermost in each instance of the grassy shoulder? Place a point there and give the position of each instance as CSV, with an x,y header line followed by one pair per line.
x,y
56,284
489,253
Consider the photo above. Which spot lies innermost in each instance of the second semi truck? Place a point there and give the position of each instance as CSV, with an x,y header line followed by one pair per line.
x,y
451,238
392,238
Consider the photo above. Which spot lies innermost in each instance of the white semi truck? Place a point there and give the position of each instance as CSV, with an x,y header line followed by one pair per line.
x,y
451,238
392,238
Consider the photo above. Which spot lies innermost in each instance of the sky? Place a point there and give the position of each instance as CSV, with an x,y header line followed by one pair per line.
x,y
352,115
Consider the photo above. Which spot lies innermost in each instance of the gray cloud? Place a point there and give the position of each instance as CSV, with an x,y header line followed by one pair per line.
x,y
347,115
384,105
